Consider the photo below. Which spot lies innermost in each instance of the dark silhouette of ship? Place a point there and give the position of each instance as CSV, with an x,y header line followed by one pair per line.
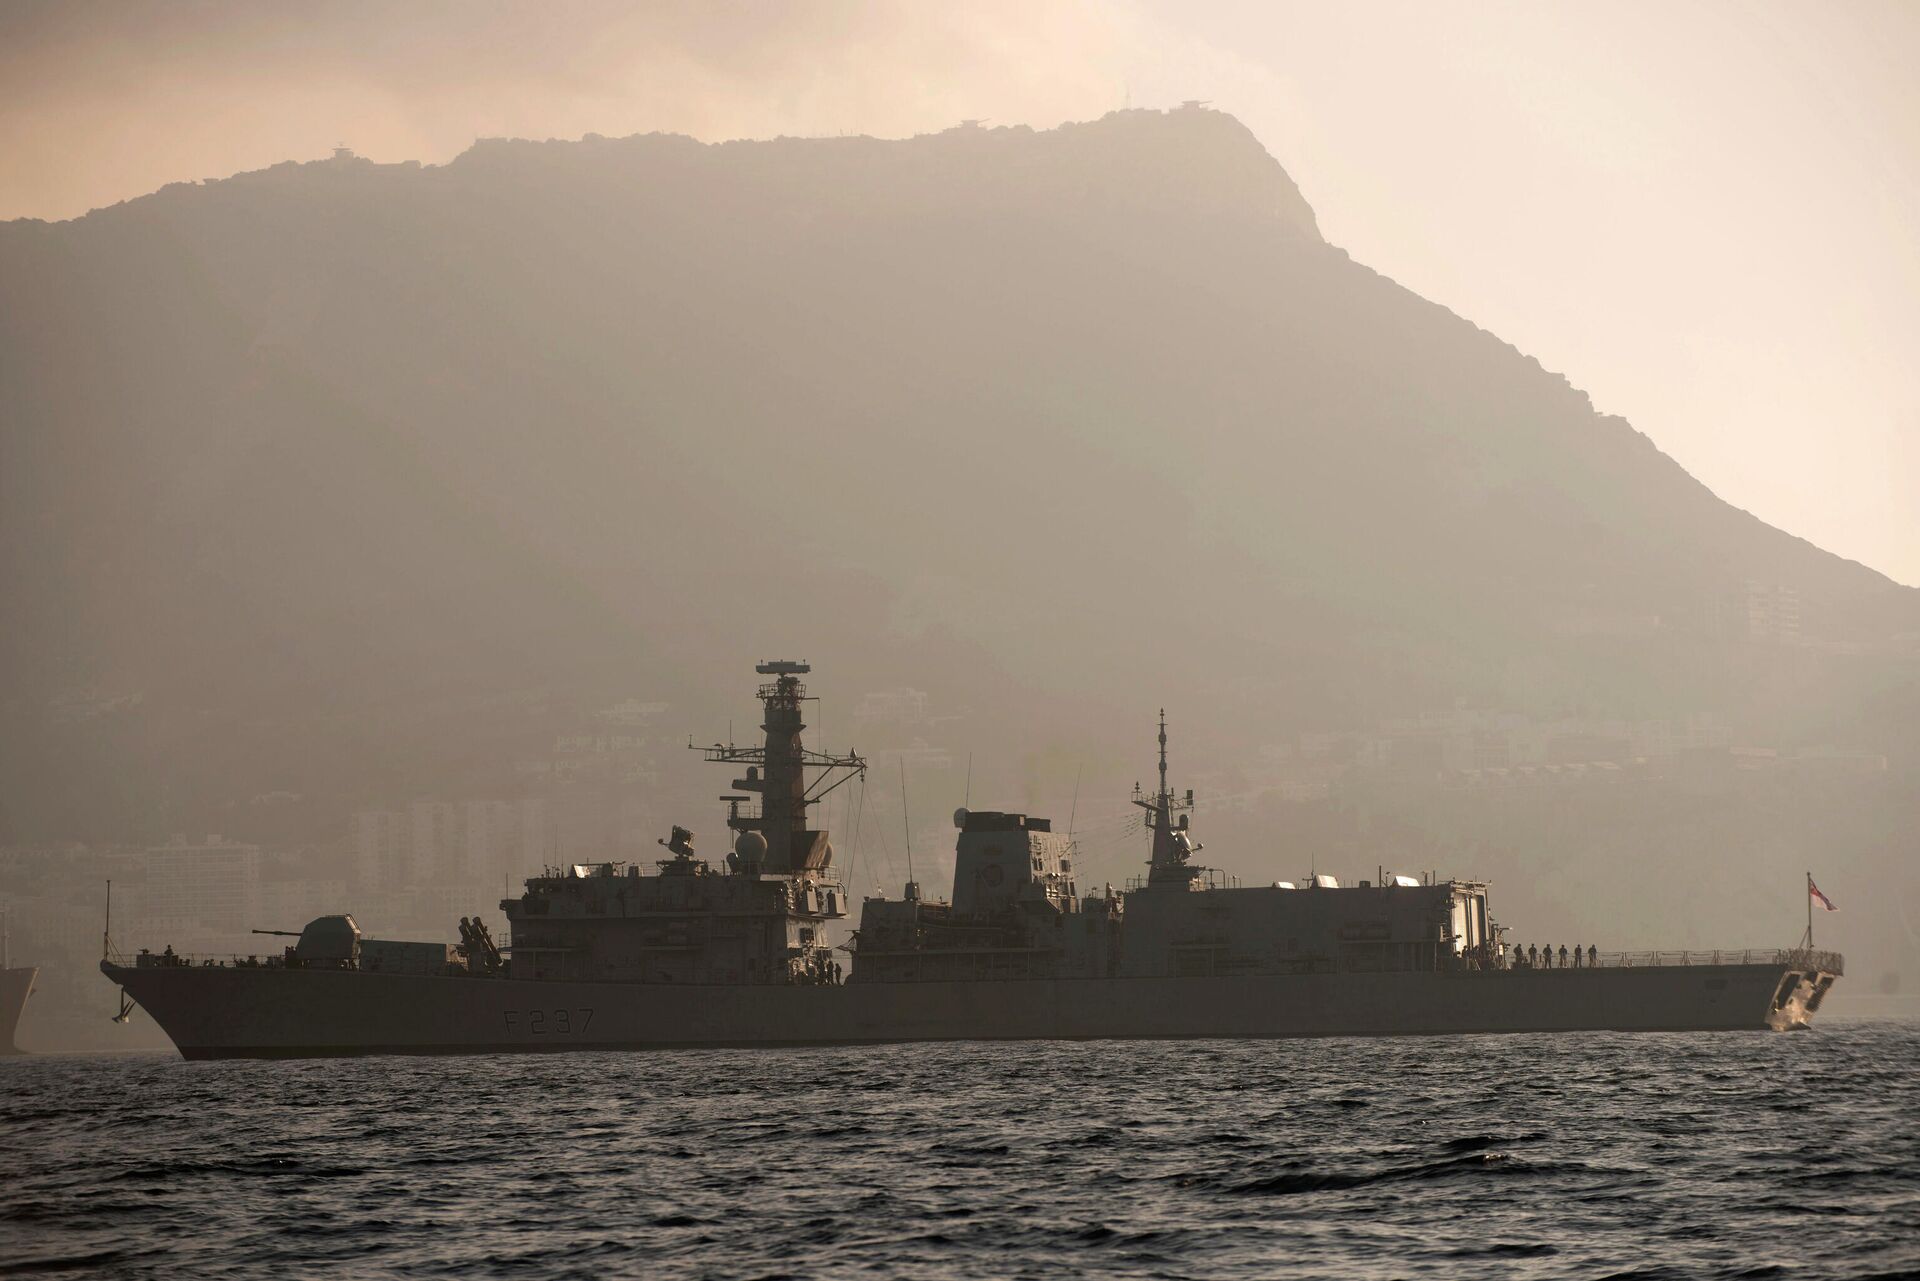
x,y
604,956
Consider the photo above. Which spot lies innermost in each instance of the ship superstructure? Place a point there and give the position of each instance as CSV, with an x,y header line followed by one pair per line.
x,y
760,919
1014,914
1170,864
694,953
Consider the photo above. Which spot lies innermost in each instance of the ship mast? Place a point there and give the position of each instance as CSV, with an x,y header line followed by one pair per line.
x,y
1169,865
777,840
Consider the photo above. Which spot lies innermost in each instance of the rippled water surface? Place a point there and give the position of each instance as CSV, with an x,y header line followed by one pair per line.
x,y
1734,1155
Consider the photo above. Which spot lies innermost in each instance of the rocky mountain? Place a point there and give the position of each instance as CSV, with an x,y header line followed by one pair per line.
x,y
337,473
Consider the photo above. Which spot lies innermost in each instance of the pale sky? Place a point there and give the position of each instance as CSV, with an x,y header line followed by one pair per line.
x,y
1703,214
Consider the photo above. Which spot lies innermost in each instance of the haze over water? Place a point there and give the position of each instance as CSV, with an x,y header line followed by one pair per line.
x,y
1744,1155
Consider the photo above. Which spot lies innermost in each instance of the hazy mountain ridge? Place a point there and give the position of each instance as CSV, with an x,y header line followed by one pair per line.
x,y
300,453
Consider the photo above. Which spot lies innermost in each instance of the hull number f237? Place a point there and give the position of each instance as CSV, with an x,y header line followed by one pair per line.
x,y
561,1022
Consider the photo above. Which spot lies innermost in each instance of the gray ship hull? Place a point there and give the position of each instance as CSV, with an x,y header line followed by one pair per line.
x,y
224,1012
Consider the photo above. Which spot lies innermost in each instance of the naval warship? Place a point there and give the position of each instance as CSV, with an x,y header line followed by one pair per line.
x,y
608,956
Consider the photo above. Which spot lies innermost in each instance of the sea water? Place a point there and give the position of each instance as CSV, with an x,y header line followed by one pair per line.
x,y
1651,1156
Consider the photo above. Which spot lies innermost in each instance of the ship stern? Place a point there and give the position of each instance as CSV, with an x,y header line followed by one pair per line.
x,y
1804,982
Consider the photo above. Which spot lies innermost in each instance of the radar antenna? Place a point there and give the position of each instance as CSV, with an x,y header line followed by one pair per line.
x,y
777,772
1170,864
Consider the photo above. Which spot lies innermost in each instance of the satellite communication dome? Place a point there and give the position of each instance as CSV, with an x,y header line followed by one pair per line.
x,y
960,817
750,846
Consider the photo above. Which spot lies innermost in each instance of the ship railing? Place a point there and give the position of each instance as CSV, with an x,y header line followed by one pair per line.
x,y
197,960
1211,878
1797,958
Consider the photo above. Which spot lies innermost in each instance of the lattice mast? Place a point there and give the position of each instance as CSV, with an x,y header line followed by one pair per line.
x,y
774,837
1170,861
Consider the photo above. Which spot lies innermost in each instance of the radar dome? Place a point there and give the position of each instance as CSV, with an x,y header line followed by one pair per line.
x,y
751,847
960,818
